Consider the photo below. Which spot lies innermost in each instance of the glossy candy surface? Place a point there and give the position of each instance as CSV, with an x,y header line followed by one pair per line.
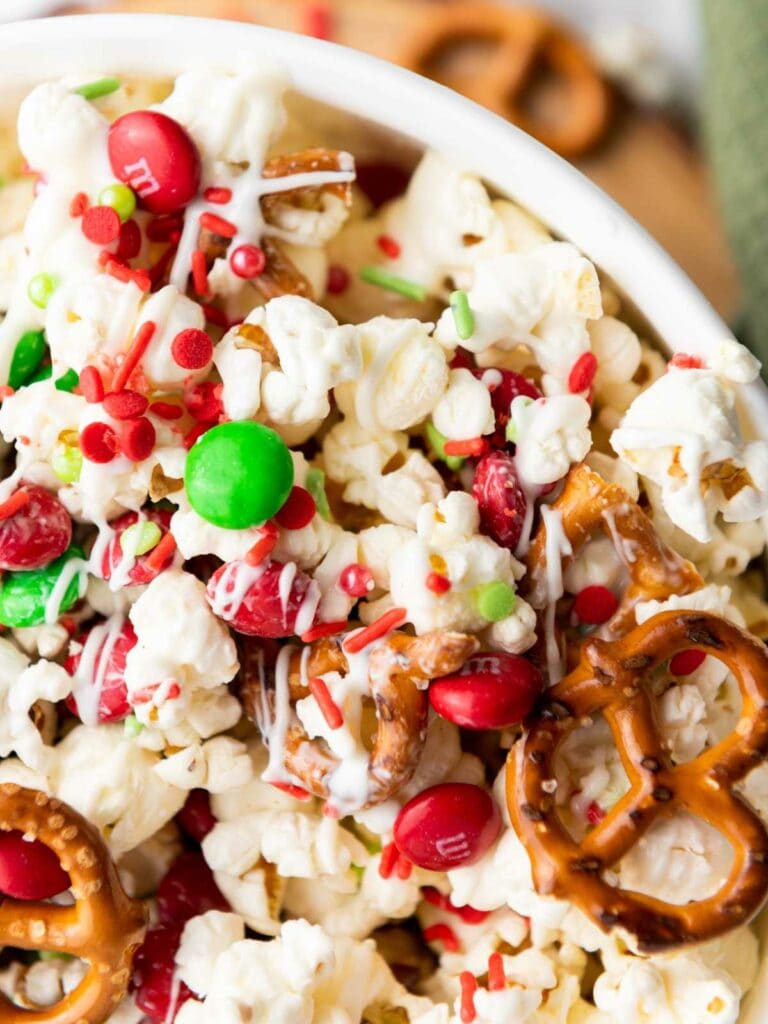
x,y
447,826
35,535
492,691
24,596
113,697
29,871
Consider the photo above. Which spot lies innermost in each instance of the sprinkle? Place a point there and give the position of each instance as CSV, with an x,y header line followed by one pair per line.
x,y
129,242
213,194
323,629
298,510
16,502
133,356
442,933
98,88
6,391
437,583
337,281
389,856
67,462
437,442
166,410
268,538
393,283
295,791
160,556
595,813
218,225
389,620
474,446
330,811
40,289
403,868
594,605
582,373
215,316
192,349
67,381
141,537
356,580
101,224
137,439
197,431
247,261
388,246
125,405
164,228
684,361
685,662
200,273
79,205
121,198
463,317
468,988
467,914
132,726
328,708
495,600
203,402
98,442
318,21
315,484
497,980
91,385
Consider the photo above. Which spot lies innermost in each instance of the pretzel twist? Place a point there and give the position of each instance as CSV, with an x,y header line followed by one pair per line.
x,y
398,672
103,927
609,680
524,41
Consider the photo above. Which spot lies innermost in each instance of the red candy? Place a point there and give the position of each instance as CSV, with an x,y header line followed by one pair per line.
x,y
595,605
247,261
98,442
509,387
492,691
196,817
499,498
101,224
188,889
356,580
155,156
298,510
153,974
338,279
192,349
37,533
684,361
582,373
91,385
139,572
137,439
447,826
261,611
685,662
129,244
124,405
203,402
29,871
113,699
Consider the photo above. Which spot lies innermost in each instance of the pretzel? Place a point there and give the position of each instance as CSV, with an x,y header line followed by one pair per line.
x,y
589,503
398,671
525,40
609,679
103,927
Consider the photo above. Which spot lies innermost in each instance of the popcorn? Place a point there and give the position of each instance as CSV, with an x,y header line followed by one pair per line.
x,y
550,434
21,686
465,409
171,312
239,367
203,941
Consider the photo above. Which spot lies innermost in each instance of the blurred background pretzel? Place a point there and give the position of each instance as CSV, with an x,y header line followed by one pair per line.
x,y
102,927
610,679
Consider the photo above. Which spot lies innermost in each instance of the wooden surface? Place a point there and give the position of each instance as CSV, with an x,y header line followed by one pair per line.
x,y
645,163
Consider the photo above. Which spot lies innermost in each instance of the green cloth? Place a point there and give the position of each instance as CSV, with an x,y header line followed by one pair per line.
x,y
736,107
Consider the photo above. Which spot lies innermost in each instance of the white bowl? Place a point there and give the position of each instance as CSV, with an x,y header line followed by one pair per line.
x,y
423,113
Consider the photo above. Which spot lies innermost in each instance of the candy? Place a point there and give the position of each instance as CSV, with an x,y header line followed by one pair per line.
x,y
67,381
67,462
196,818
500,499
338,279
389,246
156,991
495,600
472,447
27,355
121,198
215,194
582,373
188,889
199,268
141,538
129,243
98,88
91,385
217,225
382,278
437,583
390,620
437,442
298,511
238,474
137,439
134,355
98,442
192,349
685,662
463,317
36,534
491,691
247,261
125,405
29,870
101,224
329,710
504,386
447,826
155,156
595,605
40,289
356,580
269,535
113,693
24,596
468,983
263,610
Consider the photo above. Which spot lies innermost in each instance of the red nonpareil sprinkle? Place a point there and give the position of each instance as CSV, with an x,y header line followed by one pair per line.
x,y
173,692
356,580
389,856
594,813
389,620
268,537
199,273
91,385
318,21
298,511
214,194
14,504
164,228
685,361
125,405
582,373
595,605
437,583
101,224
467,914
79,204
442,933
98,442
685,662
218,225
323,629
134,355
468,984
247,261
403,868
192,349
388,246
6,391
496,978
330,711
160,555
166,410
474,446
137,439
129,242
337,281
295,791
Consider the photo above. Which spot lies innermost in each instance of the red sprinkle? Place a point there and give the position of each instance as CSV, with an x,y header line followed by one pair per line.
x,y
437,583
356,580
247,261
496,978
199,273
295,791
595,813
91,385
166,410
125,405
98,442
218,225
79,204
323,629
389,620
475,446
318,21
17,501
337,280
685,662
217,195
595,605
442,933
467,914
268,537
404,868
197,431
388,246
6,391
129,242
389,856
468,988
192,349
101,224
684,361
141,279
158,556
133,356
582,373
203,402
137,439
298,511
164,228
330,711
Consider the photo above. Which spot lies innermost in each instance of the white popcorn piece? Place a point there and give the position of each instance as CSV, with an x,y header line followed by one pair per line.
x,y
172,313
465,409
240,370
21,686
550,435
203,941
618,352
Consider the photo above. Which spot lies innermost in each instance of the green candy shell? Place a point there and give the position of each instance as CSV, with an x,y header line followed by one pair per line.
x,y
24,595
238,474
30,349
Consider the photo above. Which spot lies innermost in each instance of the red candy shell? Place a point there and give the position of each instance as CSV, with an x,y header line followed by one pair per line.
x,y
447,826
492,691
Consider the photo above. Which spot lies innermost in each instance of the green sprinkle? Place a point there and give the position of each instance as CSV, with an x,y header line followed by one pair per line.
x,y
393,283
495,600
140,538
132,726
315,484
40,289
67,462
121,198
68,381
511,430
54,954
29,351
101,87
462,315
437,444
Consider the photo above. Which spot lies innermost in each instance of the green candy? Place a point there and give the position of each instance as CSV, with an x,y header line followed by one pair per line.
x,y
30,349
238,474
495,600
24,595
67,381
